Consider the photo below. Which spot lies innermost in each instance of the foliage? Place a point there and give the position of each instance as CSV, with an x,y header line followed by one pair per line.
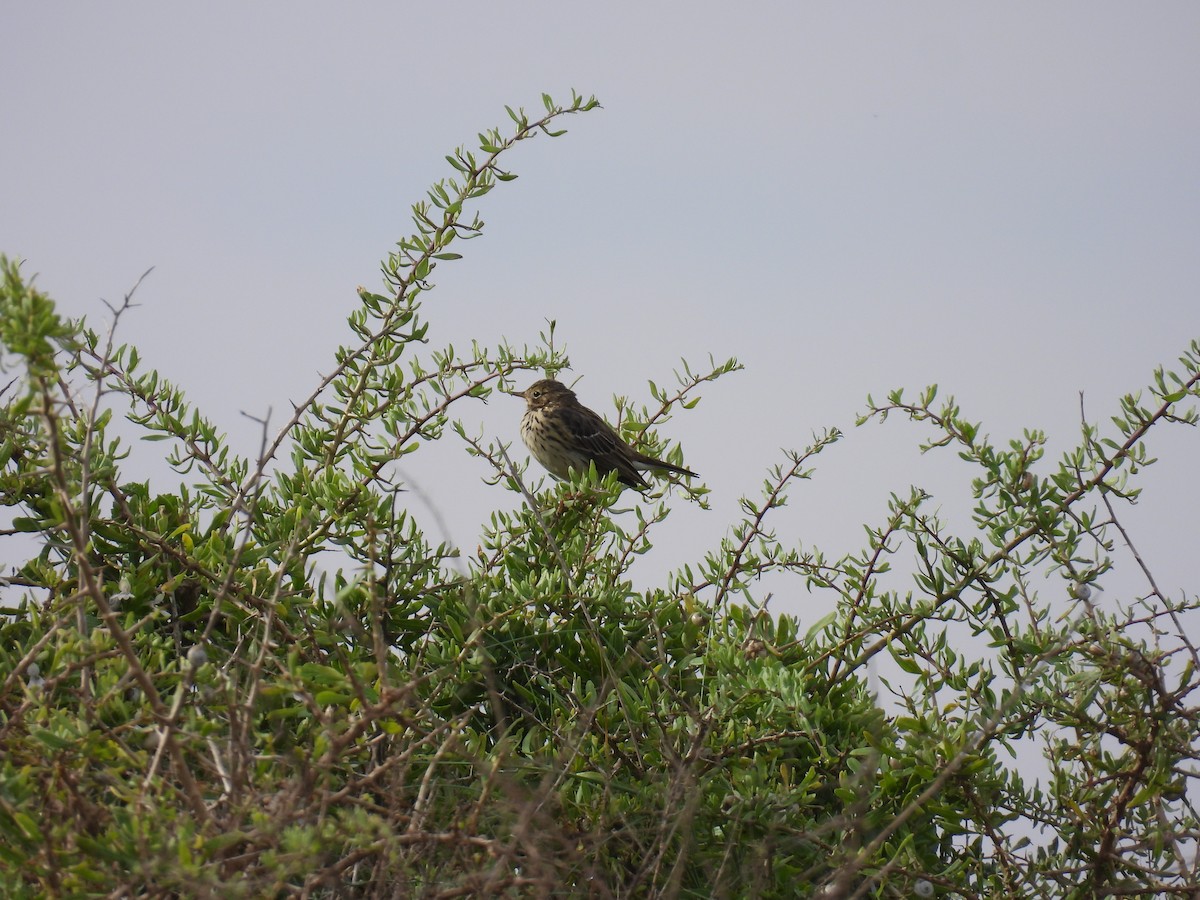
x,y
192,701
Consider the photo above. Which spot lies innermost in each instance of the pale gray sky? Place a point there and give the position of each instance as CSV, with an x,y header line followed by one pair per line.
x,y
1003,198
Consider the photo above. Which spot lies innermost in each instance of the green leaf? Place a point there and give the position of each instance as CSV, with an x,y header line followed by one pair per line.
x,y
819,626
28,826
52,740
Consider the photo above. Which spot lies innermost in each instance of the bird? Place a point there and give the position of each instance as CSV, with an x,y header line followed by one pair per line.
x,y
563,434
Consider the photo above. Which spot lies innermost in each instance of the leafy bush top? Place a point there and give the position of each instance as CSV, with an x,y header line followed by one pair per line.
x,y
190,704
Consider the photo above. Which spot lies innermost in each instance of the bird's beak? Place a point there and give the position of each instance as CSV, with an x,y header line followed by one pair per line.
x,y
520,394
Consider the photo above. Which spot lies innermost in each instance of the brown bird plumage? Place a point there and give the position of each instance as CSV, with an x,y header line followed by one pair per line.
x,y
563,434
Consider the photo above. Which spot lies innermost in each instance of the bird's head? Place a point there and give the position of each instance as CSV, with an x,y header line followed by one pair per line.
x,y
546,392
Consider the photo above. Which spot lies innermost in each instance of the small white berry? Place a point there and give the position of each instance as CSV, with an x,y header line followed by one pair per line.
x,y
197,656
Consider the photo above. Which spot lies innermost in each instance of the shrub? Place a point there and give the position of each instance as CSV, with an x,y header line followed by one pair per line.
x,y
191,705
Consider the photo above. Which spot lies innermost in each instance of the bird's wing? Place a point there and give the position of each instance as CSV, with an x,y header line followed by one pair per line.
x,y
603,445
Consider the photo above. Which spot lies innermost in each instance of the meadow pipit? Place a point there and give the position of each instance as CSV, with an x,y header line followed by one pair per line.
x,y
563,434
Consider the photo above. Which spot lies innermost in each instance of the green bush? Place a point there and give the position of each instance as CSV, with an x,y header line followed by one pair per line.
x,y
190,705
